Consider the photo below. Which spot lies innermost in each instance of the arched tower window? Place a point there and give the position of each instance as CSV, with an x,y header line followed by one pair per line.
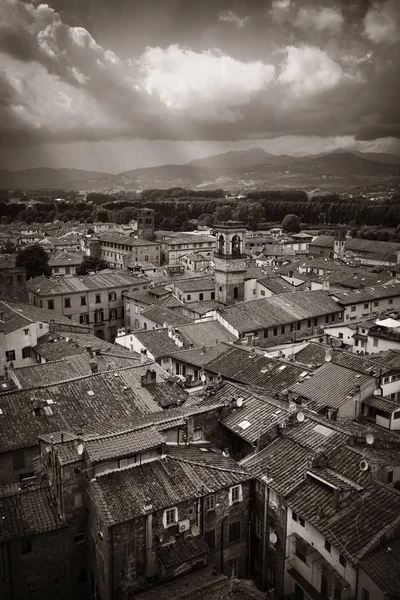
x,y
221,244
236,244
235,293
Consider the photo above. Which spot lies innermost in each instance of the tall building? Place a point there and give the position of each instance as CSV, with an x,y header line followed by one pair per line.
x,y
339,243
145,223
229,262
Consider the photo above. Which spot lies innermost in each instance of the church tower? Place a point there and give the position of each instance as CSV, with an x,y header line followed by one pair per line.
x,y
145,223
339,243
230,263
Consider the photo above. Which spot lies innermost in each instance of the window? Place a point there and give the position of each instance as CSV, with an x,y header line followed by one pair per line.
x,y
291,327
67,302
26,331
376,303
26,547
98,299
342,560
113,314
262,292
50,304
309,323
390,301
234,531
298,326
212,295
197,435
201,296
328,546
366,305
259,526
353,308
364,594
10,355
78,500
83,319
79,539
189,297
98,316
235,494
209,536
170,517
315,322
282,329
67,270
26,352
302,522
259,487
210,503
375,344
275,331
18,460
112,296
294,516
254,291
265,333
83,300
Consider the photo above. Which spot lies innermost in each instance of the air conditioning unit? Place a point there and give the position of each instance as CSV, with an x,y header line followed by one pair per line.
x,y
183,525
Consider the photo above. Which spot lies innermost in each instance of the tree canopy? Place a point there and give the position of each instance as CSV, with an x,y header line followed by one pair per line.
x,y
291,224
35,261
91,263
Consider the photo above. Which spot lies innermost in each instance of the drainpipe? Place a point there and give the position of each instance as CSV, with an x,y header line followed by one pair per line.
x,y
111,559
222,544
265,533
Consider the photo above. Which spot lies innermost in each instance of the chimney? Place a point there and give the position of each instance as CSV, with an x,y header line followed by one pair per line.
x,y
143,355
94,367
328,355
325,285
149,378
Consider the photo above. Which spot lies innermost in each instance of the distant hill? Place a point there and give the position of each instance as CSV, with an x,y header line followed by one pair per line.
x,y
245,169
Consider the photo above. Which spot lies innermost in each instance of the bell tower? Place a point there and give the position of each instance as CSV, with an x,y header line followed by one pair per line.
x,y
230,263
339,243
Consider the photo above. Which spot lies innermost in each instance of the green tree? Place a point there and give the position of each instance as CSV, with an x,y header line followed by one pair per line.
x,y
35,261
91,263
8,248
291,224
125,215
223,213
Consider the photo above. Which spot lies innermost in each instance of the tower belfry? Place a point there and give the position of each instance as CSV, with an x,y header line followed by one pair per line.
x,y
230,263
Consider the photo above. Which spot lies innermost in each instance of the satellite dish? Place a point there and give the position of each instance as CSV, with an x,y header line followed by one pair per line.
x,y
369,438
273,538
300,417
80,449
203,377
194,530
239,402
363,465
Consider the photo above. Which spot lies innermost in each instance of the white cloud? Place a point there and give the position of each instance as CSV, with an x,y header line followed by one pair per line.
x,y
309,70
228,16
280,10
382,22
320,19
210,84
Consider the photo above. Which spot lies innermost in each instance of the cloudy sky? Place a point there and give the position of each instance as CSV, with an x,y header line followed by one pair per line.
x,y
117,84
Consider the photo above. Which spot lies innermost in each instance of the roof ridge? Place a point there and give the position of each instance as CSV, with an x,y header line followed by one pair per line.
x,y
14,310
201,464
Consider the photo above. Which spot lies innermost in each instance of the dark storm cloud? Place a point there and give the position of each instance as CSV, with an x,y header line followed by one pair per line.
x,y
222,71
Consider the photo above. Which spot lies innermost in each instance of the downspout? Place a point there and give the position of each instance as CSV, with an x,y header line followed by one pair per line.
x,y
222,544
111,559
265,533
10,570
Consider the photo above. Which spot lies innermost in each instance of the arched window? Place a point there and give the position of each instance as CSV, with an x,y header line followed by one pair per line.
x,y
221,244
236,244
235,293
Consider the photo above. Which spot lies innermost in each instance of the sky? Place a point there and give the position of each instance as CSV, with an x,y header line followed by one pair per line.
x,y
112,85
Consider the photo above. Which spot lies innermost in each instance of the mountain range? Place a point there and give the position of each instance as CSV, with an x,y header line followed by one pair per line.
x,y
235,169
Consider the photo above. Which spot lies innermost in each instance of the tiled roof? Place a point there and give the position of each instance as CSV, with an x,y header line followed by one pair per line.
x,y
14,316
280,309
196,285
204,306
101,403
382,403
283,460
197,585
271,374
167,482
359,363
27,512
357,245
161,315
276,285
331,385
118,238
42,286
181,551
255,416
367,294
206,333
122,444
156,341
68,368
390,358
200,357
66,259
382,566
54,346
316,433
312,354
